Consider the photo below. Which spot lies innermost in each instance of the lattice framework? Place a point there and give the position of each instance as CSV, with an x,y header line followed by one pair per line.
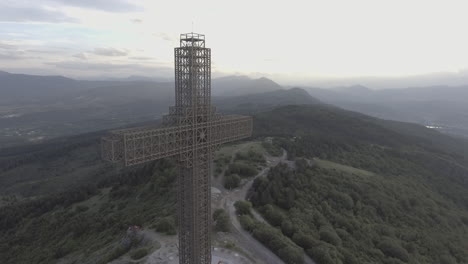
x,y
190,133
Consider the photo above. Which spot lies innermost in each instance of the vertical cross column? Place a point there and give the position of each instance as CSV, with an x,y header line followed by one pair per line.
x,y
193,108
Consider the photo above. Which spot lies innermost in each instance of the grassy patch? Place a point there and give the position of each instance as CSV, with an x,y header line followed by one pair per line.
x,y
326,164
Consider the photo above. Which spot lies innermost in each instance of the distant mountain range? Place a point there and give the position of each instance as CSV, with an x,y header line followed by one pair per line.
x,y
242,85
34,108
441,107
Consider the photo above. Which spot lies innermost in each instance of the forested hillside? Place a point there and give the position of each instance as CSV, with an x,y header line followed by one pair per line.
x,y
365,193
362,190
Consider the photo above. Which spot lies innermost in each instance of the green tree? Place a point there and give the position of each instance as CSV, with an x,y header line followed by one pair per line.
x,y
222,221
231,181
243,207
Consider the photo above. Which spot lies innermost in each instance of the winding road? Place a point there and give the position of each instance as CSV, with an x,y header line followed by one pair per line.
x,y
229,197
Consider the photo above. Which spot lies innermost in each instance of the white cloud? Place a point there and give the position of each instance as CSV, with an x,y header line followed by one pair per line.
x,y
81,55
112,52
120,6
25,13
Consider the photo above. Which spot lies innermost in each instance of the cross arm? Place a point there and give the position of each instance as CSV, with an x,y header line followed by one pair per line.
x,y
231,128
138,145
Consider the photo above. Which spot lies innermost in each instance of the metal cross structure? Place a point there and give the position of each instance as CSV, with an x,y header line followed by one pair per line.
x,y
190,132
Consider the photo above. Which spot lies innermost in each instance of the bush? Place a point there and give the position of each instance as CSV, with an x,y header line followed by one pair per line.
x,y
323,254
222,220
392,249
272,149
222,223
278,243
303,240
166,225
231,181
288,228
139,253
243,207
217,212
115,254
247,222
274,216
328,234
242,170
251,156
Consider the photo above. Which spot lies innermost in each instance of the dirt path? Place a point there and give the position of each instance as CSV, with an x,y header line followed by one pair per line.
x,y
257,252
229,197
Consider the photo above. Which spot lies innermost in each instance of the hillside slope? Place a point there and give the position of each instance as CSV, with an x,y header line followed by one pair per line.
x,y
374,192
264,101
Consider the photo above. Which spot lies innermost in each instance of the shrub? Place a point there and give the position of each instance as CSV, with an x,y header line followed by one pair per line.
x,y
217,212
231,181
243,207
273,215
278,243
303,240
139,253
222,223
166,225
272,149
247,222
222,220
328,234
241,169
115,254
288,228
323,255
392,249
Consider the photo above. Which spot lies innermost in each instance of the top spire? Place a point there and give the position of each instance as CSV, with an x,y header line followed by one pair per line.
x,y
192,40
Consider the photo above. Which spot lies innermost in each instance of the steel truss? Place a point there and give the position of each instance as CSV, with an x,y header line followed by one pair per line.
x,y
190,132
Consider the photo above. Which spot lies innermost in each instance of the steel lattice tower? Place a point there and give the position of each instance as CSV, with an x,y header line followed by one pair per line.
x,y
190,132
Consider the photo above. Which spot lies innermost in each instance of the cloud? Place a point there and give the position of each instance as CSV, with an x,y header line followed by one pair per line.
x,y
164,36
141,58
136,21
86,68
120,6
32,14
15,55
5,46
11,52
110,52
91,66
81,55
10,56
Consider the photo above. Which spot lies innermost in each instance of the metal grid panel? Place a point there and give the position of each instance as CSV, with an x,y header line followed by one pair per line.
x,y
147,144
190,132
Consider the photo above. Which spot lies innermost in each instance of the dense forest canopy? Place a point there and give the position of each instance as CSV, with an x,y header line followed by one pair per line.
x,y
363,193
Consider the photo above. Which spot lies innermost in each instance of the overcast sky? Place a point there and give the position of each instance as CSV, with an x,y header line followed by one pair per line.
x,y
290,41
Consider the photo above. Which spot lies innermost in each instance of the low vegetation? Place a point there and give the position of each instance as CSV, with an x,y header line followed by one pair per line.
x,y
269,236
46,229
222,221
361,191
139,253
